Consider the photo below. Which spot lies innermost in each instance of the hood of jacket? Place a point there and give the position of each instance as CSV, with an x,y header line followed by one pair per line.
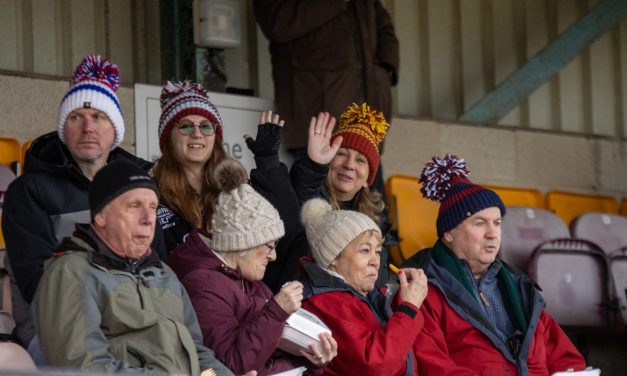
x,y
49,154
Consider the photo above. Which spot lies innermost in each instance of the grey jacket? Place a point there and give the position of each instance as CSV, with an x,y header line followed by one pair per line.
x,y
96,311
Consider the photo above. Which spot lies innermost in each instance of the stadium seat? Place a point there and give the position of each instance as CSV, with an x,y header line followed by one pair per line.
x,y
6,177
519,196
524,229
575,278
569,205
9,151
618,265
25,147
412,216
608,231
623,208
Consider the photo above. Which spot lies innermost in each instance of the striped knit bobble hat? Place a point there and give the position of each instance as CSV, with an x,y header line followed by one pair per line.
x,y
363,128
242,218
446,181
330,231
94,85
179,99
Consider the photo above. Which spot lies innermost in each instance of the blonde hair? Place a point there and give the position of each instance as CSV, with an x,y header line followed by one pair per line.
x,y
179,194
367,202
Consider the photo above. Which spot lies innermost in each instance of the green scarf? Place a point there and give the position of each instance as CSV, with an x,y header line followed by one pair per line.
x,y
445,257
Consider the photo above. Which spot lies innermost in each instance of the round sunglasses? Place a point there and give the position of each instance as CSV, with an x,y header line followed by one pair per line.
x,y
186,127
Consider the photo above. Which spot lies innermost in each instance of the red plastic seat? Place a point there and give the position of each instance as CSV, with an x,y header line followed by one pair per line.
x,y
608,231
574,277
524,229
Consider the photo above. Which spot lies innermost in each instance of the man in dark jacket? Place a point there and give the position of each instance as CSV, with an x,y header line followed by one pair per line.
x,y
327,54
482,317
42,206
122,309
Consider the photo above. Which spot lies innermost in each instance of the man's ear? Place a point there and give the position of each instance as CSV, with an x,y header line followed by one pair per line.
x,y
99,220
448,237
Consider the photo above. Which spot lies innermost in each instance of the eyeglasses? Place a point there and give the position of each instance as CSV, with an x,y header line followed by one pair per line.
x,y
271,247
186,127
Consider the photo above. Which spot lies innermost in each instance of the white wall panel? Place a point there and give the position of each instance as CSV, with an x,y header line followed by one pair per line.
x,y
505,59
407,24
572,103
8,35
441,59
537,39
45,46
474,80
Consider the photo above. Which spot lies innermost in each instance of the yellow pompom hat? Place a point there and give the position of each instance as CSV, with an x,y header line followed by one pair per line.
x,y
363,128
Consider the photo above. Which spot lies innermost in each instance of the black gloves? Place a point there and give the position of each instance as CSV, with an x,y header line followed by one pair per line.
x,y
267,142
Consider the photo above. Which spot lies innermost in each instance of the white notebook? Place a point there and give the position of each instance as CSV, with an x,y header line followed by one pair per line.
x,y
301,329
291,372
587,372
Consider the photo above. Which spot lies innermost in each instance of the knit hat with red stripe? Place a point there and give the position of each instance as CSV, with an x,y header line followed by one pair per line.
x,y
94,85
179,99
363,128
446,181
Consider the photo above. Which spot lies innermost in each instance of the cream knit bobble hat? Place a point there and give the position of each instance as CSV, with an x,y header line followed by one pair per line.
x,y
242,219
330,231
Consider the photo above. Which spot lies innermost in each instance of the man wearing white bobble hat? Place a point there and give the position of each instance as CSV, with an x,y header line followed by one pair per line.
x,y
482,317
42,206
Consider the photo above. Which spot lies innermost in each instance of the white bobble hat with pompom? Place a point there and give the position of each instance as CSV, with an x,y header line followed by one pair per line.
x,y
242,219
330,231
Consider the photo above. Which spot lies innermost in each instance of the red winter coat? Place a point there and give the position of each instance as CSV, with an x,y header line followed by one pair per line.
x,y
242,326
450,345
367,344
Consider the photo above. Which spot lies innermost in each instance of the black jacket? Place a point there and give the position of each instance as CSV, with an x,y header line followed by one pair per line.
x,y
308,179
42,206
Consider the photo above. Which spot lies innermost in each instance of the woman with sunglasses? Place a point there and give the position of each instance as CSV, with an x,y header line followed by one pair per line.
x,y
239,317
190,139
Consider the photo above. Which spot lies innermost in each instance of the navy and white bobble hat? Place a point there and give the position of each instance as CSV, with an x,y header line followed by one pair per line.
x,y
179,99
446,181
94,85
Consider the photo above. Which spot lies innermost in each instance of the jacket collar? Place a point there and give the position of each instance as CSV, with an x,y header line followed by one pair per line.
x,y
101,255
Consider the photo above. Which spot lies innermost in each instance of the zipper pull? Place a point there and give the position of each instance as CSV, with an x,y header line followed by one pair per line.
x,y
484,299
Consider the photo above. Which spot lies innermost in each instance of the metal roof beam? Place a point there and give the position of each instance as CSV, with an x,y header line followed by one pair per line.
x,y
550,60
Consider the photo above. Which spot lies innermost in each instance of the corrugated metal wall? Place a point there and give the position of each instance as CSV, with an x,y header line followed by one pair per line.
x,y
51,36
453,52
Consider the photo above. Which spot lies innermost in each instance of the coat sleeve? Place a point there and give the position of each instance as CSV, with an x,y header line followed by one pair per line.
x,y
387,52
285,20
28,233
430,347
241,344
308,179
68,324
206,356
561,354
362,350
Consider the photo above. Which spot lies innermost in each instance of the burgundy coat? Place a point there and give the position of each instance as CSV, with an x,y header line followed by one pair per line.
x,y
241,325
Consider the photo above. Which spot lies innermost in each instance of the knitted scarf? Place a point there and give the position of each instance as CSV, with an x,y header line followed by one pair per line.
x,y
445,258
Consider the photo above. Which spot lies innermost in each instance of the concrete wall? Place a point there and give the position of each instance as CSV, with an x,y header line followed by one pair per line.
x,y
496,155
511,156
